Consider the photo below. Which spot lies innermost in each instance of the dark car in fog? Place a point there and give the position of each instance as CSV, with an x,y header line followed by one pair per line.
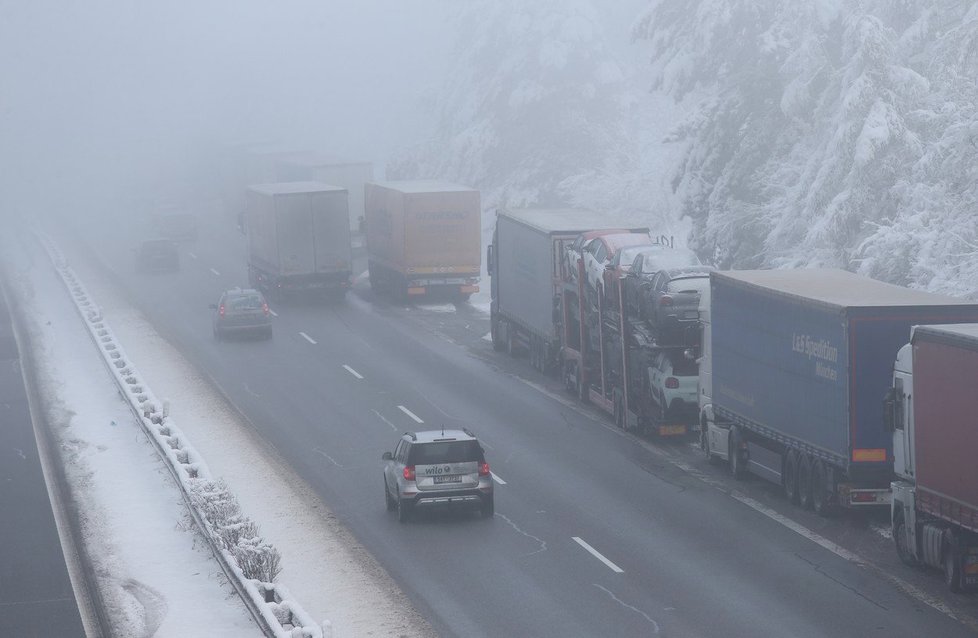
x,y
669,303
158,255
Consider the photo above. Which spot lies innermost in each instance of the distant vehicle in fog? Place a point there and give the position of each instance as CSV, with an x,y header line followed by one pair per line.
x,y
174,222
299,239
157,255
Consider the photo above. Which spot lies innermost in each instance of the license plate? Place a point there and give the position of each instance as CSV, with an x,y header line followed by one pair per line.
x,y
447,479
691,314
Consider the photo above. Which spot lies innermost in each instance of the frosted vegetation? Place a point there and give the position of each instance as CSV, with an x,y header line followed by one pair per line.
x,y
825,133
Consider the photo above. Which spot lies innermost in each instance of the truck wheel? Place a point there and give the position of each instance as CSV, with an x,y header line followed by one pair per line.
x,y
901,543
733,452
805,481
495,335
952,564
823,492
711,458
789,477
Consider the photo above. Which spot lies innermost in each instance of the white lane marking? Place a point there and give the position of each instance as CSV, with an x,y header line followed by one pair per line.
x,y
384,419
497,479
193,256
597,554
215,272
272,312
352,371
410,414
655,625
307,338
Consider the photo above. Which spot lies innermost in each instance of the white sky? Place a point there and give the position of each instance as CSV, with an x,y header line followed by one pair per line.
x,y
157,571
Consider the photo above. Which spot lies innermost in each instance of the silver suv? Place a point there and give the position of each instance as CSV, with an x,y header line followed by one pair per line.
x,y
437,467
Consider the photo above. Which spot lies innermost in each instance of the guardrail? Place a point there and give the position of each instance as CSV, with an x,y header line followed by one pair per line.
x,y
250,563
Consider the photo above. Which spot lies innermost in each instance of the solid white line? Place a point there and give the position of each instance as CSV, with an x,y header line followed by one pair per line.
x,y
410,414
352,371
192,255
497,479
215,272
596,554
307,338
272,312
382,418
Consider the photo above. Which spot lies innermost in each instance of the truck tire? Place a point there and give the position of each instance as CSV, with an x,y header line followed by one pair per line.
x,y
805,481
951,559
823,489
900,542
733,454
495,334
789,477
711,458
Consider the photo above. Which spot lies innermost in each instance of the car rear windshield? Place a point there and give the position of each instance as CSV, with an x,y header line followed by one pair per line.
x,y
444,452
688,284
245,302
683,367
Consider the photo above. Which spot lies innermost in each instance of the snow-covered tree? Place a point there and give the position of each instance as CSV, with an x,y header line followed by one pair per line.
x,y
830,133
535,108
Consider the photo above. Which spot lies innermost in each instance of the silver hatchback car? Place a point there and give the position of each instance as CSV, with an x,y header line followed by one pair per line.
x,y
437,468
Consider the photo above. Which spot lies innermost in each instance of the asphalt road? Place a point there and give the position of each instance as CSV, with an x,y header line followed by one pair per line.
x,y
36,596
595,532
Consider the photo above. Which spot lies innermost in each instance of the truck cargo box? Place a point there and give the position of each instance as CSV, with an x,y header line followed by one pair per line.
x,y
528,249
319,168
803,357
299,229
945,405
423,235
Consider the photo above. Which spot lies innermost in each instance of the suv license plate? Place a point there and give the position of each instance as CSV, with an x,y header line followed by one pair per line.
x,y
448,479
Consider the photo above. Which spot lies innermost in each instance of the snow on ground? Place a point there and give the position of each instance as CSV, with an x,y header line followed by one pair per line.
x,y
156,572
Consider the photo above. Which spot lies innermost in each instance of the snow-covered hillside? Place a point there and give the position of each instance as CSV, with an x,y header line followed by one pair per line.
x,y
789,134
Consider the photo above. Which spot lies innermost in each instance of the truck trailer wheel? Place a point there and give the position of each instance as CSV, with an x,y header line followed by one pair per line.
x,y
789,477
823,489
805,481
952,563
495,333
901,543
733,454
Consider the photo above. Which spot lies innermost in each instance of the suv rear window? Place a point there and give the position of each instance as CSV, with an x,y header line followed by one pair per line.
x,y
444,452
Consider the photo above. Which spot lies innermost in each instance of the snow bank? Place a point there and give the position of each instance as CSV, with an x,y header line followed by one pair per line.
x,y
250,563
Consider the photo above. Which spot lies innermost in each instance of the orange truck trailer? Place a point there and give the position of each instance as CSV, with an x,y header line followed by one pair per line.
x,y
423,237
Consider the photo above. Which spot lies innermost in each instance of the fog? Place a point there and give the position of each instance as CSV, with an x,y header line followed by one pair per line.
x,y
107,98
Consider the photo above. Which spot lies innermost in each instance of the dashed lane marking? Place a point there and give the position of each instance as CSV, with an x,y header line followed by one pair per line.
x,y
352,371
215,272
307,338
410,414
597,554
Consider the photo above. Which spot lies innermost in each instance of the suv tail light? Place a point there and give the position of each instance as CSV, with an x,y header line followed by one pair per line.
x,y
409,472
672,383
264,308
665,300
220,310
483,469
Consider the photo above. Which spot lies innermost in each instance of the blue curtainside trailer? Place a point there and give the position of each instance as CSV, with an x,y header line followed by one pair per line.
x,y
800,362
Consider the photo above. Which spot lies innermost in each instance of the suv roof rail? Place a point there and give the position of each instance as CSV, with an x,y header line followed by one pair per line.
x,y
414,437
